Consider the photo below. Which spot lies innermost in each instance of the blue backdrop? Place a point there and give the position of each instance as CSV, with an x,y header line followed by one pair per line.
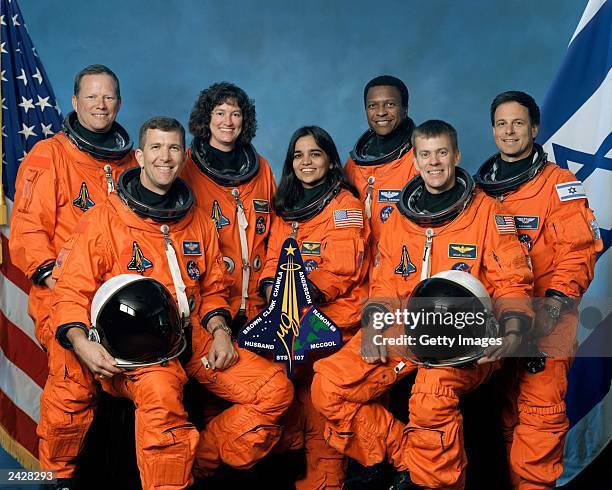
x,y
306,62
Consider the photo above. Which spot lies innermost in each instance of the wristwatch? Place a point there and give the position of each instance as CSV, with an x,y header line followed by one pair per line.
x,y
567,303
221,326
553,311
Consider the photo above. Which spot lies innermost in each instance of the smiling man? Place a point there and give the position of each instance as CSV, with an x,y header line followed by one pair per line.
x,y
59,180
554,221
441,223
381,162
152,227
165,158
64,176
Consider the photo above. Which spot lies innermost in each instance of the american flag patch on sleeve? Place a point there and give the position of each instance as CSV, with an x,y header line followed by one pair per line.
x,y
505,223
344,218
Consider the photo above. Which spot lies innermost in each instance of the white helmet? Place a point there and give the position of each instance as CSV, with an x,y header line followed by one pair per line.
x,y
137,320
454,305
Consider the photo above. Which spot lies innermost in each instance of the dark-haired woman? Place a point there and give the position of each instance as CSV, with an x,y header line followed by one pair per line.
x,y
318,206
234,185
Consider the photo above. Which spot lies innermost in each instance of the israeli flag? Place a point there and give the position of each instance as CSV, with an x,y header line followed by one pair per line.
x,y
576,132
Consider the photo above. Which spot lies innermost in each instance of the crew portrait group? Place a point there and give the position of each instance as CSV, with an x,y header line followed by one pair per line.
x,y
197,231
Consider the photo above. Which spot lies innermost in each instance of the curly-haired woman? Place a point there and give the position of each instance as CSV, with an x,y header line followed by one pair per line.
x,y
234,185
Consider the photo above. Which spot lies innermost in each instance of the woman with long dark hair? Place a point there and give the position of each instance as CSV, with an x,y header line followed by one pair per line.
x,y
318,207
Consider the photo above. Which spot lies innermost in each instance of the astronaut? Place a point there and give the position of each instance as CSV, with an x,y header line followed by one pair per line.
x,y
61,178
382,160
152,228
441,221
234,185
321,211
554,221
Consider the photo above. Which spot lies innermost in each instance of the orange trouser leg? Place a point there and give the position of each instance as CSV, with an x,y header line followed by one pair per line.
x,y
434,446
536,457
66,411
294,427
165,440
244,433
345,390
537,448
325,467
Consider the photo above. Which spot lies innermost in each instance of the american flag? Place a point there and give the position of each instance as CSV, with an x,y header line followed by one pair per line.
x,y
505,223
29,114
344,218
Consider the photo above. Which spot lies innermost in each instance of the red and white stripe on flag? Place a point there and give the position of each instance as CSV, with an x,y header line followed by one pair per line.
x,y
345,218
505,223
29,114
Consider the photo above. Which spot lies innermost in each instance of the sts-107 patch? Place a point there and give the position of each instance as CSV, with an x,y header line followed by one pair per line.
x,y
291,325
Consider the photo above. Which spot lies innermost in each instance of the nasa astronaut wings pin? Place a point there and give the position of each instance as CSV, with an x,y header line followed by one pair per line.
x,y
291,325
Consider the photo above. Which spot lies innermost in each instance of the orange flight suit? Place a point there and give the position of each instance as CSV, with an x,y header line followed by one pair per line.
x,y
387,181
560,236
333,256
56,184
218,202
345,387
114,240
